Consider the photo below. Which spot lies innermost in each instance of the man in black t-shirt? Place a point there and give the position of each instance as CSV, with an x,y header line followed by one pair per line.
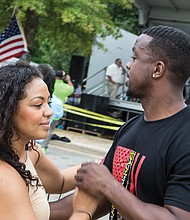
x,y
146,173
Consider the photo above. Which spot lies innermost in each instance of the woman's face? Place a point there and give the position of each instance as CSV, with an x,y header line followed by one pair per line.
x,y
32,120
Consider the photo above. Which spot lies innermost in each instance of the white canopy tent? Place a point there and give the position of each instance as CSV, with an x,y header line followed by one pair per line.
x,y
167,12
14,60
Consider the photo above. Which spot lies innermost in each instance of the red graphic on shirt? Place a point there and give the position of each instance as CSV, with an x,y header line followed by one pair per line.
x,y
126,167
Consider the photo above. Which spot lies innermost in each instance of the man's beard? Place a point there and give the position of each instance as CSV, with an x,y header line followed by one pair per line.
x,y
133,94
130,93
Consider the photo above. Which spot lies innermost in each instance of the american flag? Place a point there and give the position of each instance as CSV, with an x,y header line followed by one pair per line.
x,y
12,41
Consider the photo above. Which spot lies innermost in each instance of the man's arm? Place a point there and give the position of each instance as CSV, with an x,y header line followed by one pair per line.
x,y
97,180
131,208
68,80
102,209
62,209
110,79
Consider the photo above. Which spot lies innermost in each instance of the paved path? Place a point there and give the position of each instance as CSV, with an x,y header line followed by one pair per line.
x,y
82,148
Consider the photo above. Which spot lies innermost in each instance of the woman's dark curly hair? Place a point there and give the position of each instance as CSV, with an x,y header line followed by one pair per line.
x,y
14,79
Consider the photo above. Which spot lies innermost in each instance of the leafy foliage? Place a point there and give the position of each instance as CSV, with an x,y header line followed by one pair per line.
x,y
57,29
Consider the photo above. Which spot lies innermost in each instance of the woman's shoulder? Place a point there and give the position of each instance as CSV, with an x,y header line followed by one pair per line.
x,y
10,178
6,168
14,194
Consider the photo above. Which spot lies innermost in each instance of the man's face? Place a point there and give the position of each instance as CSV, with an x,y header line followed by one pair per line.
x,y
118,63
140,68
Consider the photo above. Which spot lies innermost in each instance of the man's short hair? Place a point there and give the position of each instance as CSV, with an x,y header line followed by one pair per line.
x,y
171,46
59,73
118,59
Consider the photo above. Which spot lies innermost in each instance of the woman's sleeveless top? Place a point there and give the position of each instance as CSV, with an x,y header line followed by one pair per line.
x,y
38,197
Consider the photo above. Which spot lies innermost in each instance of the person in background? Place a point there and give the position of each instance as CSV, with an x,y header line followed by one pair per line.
x,y
26,173
63,85
74,98
114,77
56,104
146,173
62,89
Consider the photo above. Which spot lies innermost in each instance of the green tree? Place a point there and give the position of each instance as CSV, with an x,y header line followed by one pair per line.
x,y
56,29
125,18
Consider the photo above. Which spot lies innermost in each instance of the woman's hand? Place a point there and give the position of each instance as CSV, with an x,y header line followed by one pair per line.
x,y
84,205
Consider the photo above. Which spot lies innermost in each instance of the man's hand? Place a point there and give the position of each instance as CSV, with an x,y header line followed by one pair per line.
x,y
93,178
68,80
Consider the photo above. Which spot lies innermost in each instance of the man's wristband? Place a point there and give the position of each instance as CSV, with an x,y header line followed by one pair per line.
x,y
83,211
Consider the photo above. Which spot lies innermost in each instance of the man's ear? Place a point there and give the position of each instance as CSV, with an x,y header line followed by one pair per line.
x,y
158,69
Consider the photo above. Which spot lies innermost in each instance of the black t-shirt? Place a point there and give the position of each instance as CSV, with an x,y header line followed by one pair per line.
x,y
152,160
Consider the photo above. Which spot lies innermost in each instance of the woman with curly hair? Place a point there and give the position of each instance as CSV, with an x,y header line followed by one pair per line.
x,y
26,174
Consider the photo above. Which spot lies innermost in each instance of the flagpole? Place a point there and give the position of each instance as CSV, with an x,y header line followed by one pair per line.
x,y
20,26
23,35
14,10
